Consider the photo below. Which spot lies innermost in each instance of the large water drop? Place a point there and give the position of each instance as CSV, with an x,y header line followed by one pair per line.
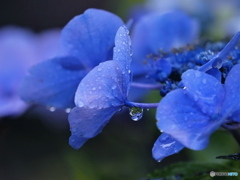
x,y
136,113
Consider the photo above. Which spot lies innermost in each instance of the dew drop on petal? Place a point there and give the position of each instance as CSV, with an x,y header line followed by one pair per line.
x,y
80,104
67,110
136,113
204,81
51,109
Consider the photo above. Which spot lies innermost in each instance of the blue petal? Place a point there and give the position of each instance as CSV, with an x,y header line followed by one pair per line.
x,y
205,90
101,93
123,55
232,88
52,82
99,96
235,116
165,146
179,117
162,31
215,73
90,36
102,87
86,123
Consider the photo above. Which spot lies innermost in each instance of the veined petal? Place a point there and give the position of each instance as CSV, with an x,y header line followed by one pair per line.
x,y
86,123
102,87
205,90
123,55
90,36
232,88
178,116
165,146
99,96
101,93
52,82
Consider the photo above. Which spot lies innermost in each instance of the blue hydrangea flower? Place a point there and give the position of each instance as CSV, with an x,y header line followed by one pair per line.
x,y
101,93
190,115
162,31
20,49
86,40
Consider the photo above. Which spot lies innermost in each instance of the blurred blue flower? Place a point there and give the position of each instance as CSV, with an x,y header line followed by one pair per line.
x,y
86,40
155,32
20,49
101,93
190,115
215,16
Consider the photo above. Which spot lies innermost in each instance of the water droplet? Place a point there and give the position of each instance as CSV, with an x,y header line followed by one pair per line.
x,y
80,104
136,113
99,69
93,88
197,74
51,109
159,160
147,109
204,81
68,110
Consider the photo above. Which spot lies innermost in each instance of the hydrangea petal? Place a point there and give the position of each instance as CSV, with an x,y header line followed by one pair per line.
x,y
205,90
98,98
165,146
232,88
101,87
215,73
101,93
52,83
122,53
178,116
86,123
162,31
90,36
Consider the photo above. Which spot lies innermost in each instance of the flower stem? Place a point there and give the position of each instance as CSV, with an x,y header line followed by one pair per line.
x,y
141,105
216,62
146,86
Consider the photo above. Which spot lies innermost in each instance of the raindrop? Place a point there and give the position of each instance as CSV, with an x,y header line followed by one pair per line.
x,y
80,104
136,113
68,110
51,109
204,81
99,69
